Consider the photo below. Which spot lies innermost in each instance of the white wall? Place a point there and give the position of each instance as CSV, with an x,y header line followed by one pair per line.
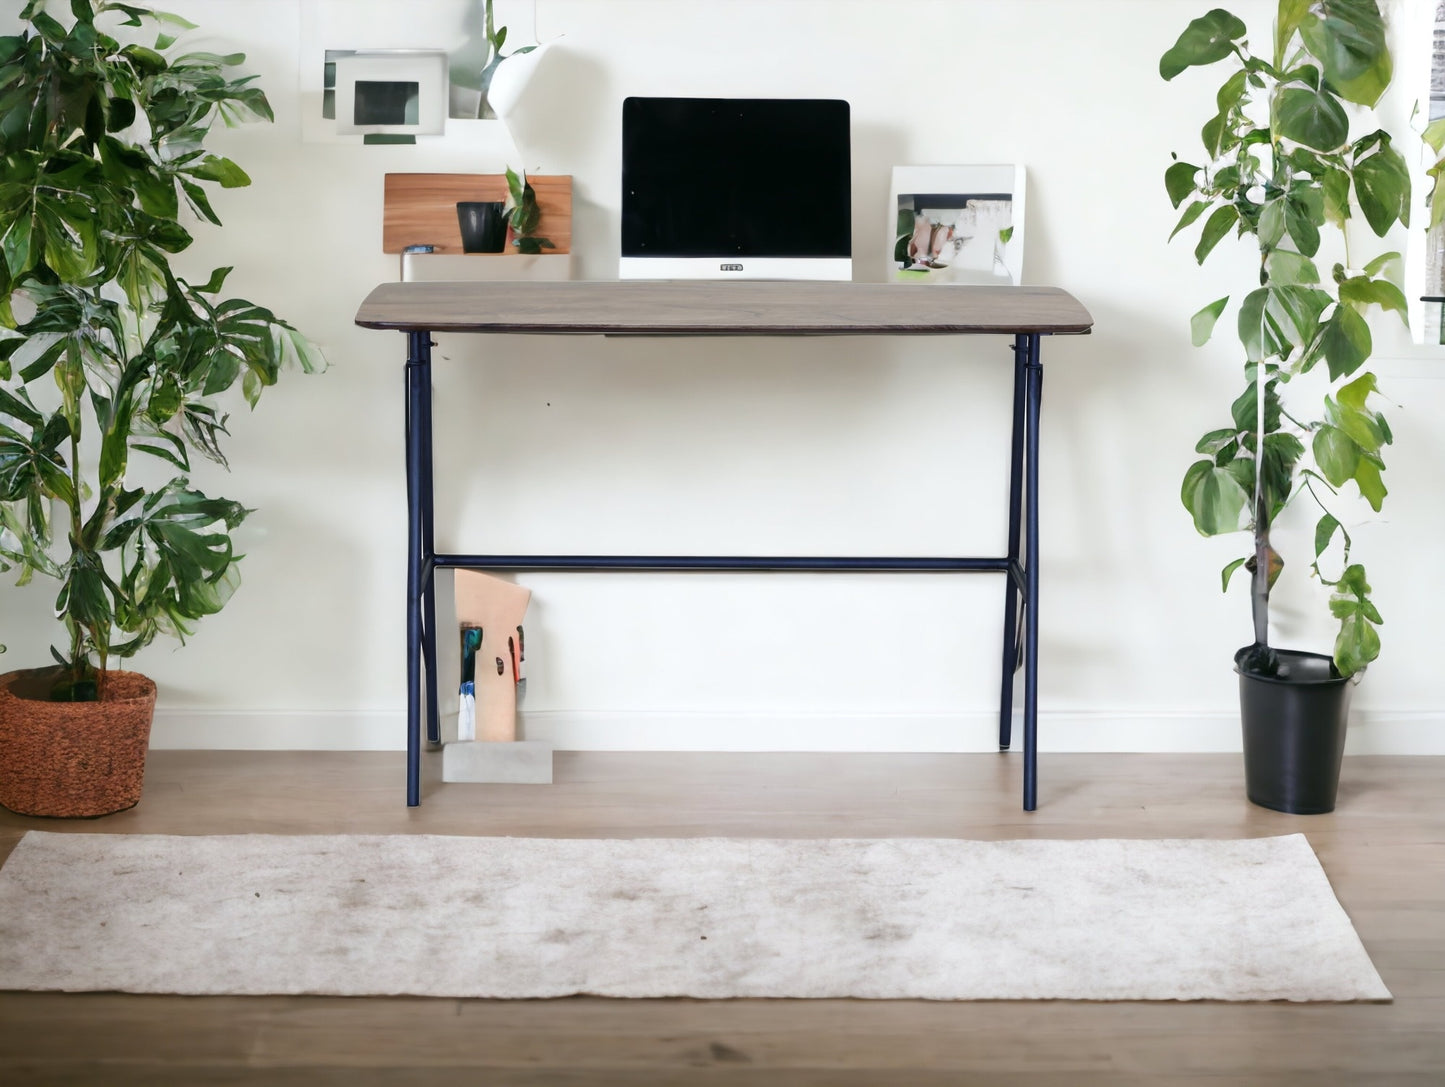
x,y
846,446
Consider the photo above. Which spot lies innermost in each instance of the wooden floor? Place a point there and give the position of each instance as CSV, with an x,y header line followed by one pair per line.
x,y
1384,851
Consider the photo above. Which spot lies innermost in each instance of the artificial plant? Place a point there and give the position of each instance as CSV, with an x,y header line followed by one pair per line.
x,y
1280,167
496,37
106,353
524,214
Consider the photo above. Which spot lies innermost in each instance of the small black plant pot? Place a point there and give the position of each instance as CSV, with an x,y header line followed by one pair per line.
x,y
483,224
1294,732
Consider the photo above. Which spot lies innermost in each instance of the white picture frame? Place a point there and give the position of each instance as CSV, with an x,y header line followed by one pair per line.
x,y
408,92
964,224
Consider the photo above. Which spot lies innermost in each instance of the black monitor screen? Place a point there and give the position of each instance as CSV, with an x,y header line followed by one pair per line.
x,y
746,177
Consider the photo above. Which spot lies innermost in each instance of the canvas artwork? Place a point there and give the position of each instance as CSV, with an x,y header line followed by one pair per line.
x,y
957,224
493,649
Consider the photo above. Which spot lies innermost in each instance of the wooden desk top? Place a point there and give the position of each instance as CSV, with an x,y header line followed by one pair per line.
x,y
707,308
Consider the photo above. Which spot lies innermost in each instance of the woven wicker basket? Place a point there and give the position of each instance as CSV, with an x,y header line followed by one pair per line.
x,y
73,758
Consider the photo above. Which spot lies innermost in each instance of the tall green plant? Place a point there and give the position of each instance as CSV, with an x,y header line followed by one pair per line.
x,y
106,353
1280,167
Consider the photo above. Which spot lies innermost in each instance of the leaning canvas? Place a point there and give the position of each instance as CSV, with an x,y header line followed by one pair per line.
x,y
481,665
957,224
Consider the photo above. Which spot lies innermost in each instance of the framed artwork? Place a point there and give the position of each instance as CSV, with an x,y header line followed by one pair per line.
x,y
957,224
389,92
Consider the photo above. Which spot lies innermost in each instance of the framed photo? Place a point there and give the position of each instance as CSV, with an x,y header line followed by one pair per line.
x,y
957,224
390,92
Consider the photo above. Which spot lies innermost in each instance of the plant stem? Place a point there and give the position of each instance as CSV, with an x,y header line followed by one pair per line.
x,y
1259,584
77,637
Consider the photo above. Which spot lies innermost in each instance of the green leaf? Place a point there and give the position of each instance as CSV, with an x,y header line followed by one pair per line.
x,y
1286,268
1215,227
1179,181
1335,186
1228,572
1382,184
1245,412
1336,454
1213,134
1255,332
1324,532
1191,213
1345,341
1372,486
1214,497
1303,212
20,257
1357,644
1216,441
1361,291
1352,396
1201,325
1349,41
1207,39
1271,225
1367,429
1287,21
216,168
1275,318
1310,117
1390,266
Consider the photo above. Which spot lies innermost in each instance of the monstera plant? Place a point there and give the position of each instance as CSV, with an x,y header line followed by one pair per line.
x,y
1293,160
108,356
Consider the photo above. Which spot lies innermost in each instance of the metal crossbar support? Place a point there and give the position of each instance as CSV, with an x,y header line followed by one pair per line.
x,y
1020,566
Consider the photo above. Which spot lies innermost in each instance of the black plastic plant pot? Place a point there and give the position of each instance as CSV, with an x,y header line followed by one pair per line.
x,y
1294,732
483,225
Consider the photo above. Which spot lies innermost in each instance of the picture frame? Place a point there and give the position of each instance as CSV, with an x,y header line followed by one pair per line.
x,y
391,92
957,224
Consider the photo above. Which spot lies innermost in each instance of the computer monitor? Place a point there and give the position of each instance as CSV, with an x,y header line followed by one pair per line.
x,y
736,188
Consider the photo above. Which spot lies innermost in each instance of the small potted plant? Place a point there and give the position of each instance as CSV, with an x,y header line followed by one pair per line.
x,y
1285,166
107,356
524,215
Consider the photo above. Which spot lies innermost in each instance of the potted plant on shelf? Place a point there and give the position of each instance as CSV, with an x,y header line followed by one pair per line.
x,y
524,215
108,356
1281,168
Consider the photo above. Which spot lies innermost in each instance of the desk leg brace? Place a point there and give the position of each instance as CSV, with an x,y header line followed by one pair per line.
x,y
1023,564
420,593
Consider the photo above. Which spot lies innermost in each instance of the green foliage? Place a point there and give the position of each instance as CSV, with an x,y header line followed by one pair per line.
x,y
1280,167
103,145
496,38
1435,136
525,214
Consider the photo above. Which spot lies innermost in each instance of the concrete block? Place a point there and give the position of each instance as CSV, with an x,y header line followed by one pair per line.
x,y
520,762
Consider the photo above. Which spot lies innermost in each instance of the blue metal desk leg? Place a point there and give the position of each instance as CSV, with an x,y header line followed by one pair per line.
x,y
429,595
1011,587
418,458
1031,577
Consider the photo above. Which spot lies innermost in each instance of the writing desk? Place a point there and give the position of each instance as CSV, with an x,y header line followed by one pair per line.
x,y
726,309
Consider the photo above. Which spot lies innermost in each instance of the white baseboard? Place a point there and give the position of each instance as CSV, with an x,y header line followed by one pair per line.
x,y
1383,733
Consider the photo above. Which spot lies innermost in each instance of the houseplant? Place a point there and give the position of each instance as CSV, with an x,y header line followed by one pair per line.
x,y
524,214
109,357
1280,167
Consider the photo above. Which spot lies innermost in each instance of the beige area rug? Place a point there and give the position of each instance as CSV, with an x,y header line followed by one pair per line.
x,y
715,917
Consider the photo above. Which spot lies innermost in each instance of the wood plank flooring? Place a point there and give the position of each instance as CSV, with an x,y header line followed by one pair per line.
x,y
1384,851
